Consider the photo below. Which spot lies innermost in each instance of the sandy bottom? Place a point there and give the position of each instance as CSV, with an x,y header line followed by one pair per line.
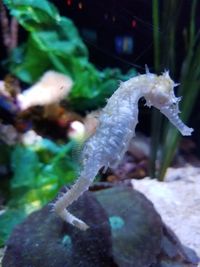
x,y
178,202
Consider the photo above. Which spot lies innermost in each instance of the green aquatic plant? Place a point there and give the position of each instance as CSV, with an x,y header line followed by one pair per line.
x,y
165,30
189,88
53,43
39,171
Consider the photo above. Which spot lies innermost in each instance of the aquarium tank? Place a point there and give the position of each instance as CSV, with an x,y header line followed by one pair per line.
x,y
99,133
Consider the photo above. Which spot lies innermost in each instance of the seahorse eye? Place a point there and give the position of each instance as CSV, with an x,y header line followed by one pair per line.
x,y
158,98
162,98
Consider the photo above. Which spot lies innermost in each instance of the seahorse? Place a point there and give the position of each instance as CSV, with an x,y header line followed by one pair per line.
x,y
117,122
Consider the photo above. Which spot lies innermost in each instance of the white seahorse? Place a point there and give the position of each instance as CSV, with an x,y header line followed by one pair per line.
x,y
116,128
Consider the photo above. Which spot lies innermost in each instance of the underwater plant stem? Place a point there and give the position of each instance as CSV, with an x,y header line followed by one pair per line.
x,y
172,140
166,42
156,116
5,27
156,36
189,89
9,30
192,23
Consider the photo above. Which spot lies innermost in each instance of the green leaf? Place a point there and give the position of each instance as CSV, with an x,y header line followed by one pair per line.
x,y
54,43
8,220
25,165
39,171
95,95
33,15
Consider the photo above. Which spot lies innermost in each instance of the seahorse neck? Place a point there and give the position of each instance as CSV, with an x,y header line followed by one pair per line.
x,y
134,89
141,84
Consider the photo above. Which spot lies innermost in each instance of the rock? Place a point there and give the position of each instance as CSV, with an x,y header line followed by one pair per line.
x,y
173,254
44,240
136,226
125,231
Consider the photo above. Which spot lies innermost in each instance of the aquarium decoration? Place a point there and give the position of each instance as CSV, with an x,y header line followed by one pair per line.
x,y
50,89
124,44
116,128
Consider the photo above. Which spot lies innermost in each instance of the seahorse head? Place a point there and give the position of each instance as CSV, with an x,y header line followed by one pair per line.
x,y
161,96
162,91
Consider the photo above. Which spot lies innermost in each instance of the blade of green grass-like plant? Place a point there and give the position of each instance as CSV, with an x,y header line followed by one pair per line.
x,y
189,89
164,40
173,136
156,117
156,37
170,14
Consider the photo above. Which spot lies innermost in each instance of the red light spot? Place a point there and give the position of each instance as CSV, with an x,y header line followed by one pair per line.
x,y
133,23
69,2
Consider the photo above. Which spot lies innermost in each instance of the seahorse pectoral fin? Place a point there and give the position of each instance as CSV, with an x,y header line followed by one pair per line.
x,y
171,112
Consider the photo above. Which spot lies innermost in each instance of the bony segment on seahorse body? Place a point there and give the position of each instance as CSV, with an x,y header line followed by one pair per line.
x,y
116,128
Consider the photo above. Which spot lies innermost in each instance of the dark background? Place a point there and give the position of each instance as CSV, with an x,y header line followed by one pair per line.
x,y
111,18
